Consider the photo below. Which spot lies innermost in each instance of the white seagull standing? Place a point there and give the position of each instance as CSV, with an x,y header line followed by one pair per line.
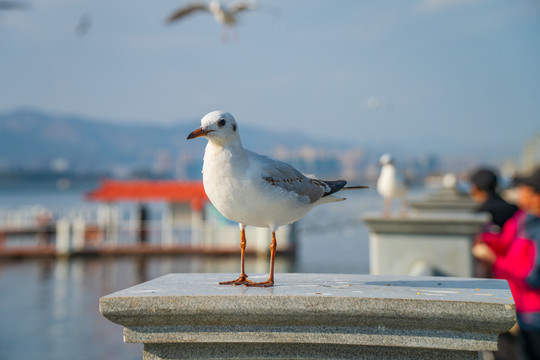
x,y
391,185
253,189
228,16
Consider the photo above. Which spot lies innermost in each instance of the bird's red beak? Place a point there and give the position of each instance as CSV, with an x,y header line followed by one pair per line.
x,y
198,133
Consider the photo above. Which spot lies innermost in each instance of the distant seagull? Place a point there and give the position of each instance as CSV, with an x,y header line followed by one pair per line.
x,y
13,5
391,185
223,15
255,190
84,24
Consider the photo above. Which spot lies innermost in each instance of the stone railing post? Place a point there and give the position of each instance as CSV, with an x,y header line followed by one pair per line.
x,y
423,244
313,316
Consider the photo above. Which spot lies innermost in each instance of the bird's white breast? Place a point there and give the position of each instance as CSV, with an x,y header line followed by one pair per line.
x,y
388,184
233,182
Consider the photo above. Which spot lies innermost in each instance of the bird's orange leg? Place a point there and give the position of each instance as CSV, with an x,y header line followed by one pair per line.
x,y
387,207
243,278
270,281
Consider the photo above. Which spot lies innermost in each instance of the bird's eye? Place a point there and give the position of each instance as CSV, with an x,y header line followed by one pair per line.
x,y
221,122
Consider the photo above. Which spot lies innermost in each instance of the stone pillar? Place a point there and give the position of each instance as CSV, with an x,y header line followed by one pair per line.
x,y
168,222
313,316
63,237
423,244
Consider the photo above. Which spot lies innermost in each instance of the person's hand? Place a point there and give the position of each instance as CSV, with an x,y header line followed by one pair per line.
x,y
483,252
478,240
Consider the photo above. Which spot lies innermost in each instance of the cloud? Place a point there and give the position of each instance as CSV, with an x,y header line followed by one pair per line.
x,y
374,103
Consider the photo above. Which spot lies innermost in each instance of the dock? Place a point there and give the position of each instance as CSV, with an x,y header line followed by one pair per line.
x,y
75,239
50,251
118,221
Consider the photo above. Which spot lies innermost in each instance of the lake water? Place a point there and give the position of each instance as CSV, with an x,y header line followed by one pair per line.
x,y
49,308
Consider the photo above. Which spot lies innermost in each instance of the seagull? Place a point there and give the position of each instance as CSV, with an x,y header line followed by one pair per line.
x,y
391,185
255,190
223,15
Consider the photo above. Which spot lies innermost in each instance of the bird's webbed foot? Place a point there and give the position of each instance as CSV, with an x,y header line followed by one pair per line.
x,y
242,280
266,283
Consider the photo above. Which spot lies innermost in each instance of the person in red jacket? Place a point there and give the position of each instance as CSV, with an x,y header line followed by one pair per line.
x,y
518,261
500,242
483,190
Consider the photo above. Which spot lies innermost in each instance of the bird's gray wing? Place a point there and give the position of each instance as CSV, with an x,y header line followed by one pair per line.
x,y
241,6
186,11
283,175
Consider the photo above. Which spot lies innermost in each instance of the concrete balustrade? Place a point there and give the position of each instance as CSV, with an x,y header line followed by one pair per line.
x,y
313,316
423,244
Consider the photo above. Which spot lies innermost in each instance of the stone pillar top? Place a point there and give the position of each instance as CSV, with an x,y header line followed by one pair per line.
x,y
191,287
459,313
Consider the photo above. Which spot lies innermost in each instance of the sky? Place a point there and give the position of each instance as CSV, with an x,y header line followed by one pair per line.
x,y
459,76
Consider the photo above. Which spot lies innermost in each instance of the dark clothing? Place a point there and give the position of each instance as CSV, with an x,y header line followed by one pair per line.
x,y
498,208
530,342
518,262
532,231
530,322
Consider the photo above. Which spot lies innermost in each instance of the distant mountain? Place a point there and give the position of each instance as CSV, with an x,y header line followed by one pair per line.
x,y
34,139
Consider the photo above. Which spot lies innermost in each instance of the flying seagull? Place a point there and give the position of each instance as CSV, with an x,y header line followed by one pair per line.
x,y
253,189
227,16
391,185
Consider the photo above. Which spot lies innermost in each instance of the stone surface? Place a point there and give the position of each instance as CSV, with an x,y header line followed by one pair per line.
x,y
297,351
313,316
427,244
444,200
445,206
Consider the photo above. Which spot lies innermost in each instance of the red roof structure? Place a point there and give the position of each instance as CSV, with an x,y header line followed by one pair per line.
x,y
150,190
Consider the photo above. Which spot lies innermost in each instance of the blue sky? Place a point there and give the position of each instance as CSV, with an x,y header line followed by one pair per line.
x,y
432,75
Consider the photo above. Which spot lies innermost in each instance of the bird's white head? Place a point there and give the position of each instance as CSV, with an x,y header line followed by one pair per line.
x,y
219,127
386,159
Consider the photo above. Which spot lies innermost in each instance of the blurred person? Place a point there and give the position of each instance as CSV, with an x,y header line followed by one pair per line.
x,y
483,190
499,242
519,264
